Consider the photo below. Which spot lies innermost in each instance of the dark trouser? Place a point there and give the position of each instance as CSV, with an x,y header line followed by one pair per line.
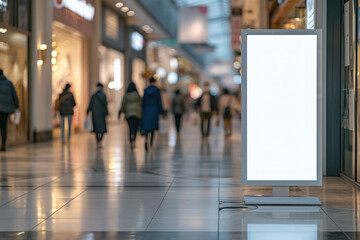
x,y
133,123
205,123
99,137
151,137
3,126
178,122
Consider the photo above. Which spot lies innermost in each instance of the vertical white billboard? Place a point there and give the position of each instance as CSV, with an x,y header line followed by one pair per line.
x,y
282,107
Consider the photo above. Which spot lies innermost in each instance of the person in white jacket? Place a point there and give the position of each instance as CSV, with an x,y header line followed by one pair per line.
x,y
228,106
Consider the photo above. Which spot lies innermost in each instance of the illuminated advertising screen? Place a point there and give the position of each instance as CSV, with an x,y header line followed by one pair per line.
x,y
282,108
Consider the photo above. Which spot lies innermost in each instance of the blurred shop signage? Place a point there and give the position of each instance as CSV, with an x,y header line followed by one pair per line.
x,y
3,5
137,41
78,14
193,24
80,7
111,24
310,14
236,25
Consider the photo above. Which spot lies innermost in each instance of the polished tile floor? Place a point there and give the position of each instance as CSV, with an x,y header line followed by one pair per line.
x,y
186,187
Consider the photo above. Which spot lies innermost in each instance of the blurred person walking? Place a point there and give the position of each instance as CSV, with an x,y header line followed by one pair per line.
x,y
9,102
151,110
207,106
131,107
228,104
99,108
66,102
178,108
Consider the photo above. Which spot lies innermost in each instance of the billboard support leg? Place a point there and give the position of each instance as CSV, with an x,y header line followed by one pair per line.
x,y
280,191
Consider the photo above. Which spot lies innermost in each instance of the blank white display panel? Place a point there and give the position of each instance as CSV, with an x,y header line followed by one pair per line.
x,y
281,98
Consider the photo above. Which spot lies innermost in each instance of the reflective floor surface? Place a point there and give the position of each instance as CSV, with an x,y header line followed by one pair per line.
x,y
186,187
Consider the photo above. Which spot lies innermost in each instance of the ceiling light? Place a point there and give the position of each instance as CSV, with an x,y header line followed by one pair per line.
x,y
124,9
131,13
3,30
237,65
42,46
145,27
119,4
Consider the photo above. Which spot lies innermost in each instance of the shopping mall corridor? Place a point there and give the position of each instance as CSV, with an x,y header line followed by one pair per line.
x,y
185,188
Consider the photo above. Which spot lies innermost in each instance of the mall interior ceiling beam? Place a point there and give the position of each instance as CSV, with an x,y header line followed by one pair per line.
x,y
283,12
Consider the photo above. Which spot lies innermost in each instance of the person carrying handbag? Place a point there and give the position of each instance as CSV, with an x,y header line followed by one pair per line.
x,y
65,105
8,103
99,108
227,106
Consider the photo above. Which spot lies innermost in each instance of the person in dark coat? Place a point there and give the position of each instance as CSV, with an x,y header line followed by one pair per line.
x,y
8,103
151,110
178,108
131,107
66,109
207,105
99,109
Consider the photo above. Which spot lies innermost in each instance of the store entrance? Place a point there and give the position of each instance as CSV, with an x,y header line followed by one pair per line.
x,y
14,62
68,67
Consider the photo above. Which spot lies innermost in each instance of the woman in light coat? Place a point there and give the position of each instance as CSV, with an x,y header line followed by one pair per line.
x,y
131,107
228,105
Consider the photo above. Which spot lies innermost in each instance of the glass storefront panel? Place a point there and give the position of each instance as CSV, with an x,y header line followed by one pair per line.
x,y
349,78
14,62
68,67
112,75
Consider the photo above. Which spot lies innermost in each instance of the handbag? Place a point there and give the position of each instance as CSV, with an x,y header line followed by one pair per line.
x,y
15,117
88,124
60,100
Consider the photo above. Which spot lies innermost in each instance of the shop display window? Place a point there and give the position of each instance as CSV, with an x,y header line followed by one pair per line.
x,y
14,62
112,76
67,59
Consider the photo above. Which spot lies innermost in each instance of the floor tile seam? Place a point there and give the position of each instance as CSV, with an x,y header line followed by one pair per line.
x,y
33,228
16,198
56,178
336,224
162,201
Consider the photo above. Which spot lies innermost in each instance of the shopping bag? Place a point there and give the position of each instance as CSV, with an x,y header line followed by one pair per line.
x,y
15,117
163,125
88,124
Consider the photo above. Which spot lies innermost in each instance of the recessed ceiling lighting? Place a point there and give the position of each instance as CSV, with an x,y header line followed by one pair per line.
x,y
124,9
145,27
119,4
131,13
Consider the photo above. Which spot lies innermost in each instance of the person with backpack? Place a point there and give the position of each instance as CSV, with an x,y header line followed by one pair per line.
x,y
228,104
99,108
131,107
8,103
66,103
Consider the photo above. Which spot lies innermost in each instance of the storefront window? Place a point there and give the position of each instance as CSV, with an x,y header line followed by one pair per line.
x,y
68,67
14,62
15,13
349,79
112,76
